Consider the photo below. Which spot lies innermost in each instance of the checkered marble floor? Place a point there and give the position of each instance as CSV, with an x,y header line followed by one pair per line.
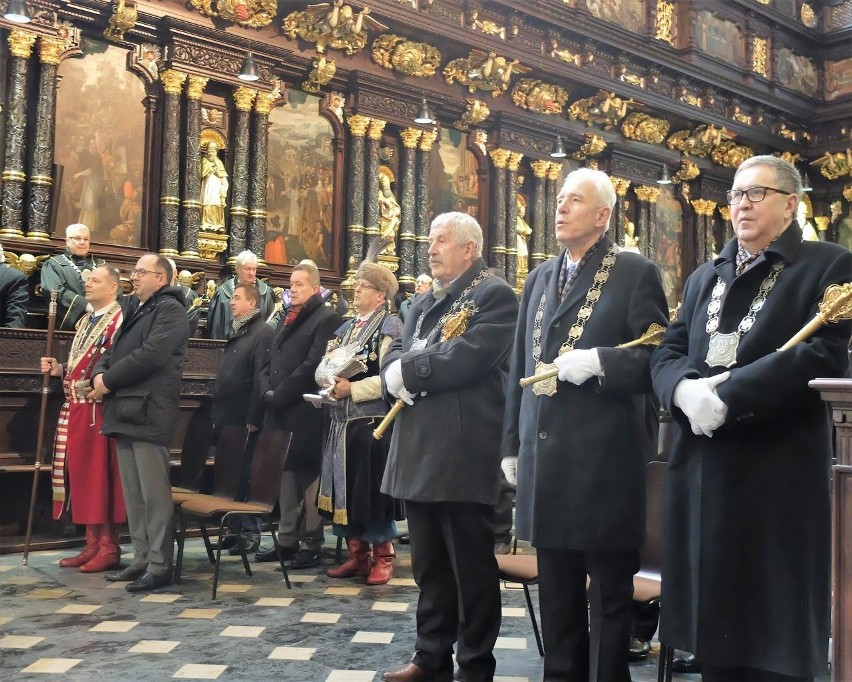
x,y
79,627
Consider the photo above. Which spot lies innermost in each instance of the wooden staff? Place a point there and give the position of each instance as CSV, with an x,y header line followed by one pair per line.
x,y
651,337
836,305
45,392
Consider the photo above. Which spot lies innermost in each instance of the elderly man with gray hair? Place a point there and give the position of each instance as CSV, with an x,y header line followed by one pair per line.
x,y
219,317
13,295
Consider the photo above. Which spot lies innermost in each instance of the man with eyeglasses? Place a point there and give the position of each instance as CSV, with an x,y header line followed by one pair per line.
x,y
67,274
139,379
746,553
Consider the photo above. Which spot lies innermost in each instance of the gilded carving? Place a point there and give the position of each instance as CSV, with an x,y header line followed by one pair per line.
x,y
500,157
644,128
539,167
321,73
475,113
266,100
605,108
688,171
514,161
410,137
665,22
172,81
789,157
486,26
248,13
807,15
822,222
427,139
335,102
564,54
833,166
26,262
244,98
195,87
375,129
21,43
758,55
647,193
593,145
704,207
725,212
50,50
405,56
796,135
620,185
332,26
149,58
847,193
204,6
358,124
483,71
540,97
553,170
123,18
698,142
729,154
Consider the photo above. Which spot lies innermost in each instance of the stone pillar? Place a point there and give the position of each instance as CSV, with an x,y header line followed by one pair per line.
x,y
355,193
706,242
243,100
256,238
727,226
647,219
512,165
536,216
618,219
190,217
499,159
13,176
170,162
422,222
371,210
554,169
408,192
41,168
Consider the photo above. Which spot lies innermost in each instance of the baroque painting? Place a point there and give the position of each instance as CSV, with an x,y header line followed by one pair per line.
x,y
838,78
454,185
796,72
627,13
719,38
100,144
667,254
300,183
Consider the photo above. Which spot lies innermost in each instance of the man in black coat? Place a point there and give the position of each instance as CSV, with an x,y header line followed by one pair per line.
x,y
140,376
576,446
219,313
13,295
444,459
746,544
296,350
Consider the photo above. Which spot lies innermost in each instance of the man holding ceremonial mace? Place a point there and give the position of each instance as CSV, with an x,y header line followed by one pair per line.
x,y
444,452
576,445
746,543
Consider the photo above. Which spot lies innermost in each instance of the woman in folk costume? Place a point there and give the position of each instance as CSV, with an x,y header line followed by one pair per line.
x,y
354,461
85,469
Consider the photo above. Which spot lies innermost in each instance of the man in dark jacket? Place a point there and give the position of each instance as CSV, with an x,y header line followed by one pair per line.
x,y
444,460
219,313
140,378
746,544
296,350
13,295
580,444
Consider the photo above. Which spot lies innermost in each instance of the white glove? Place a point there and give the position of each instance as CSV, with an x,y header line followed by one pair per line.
x,y
394,382
578,366
700,403
510,470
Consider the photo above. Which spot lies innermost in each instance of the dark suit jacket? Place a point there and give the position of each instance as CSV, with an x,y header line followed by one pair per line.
x,y
582,451
14,295
294,354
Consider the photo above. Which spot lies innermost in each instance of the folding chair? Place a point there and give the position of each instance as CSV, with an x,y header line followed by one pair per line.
x,y
523,569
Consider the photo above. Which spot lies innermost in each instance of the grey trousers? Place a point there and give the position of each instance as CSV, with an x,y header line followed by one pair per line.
x,y
144,471
300,522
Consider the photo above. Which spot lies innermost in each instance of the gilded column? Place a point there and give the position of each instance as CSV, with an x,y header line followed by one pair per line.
x,y
499,159
408,192
243,100
256,241
620,185
190,217
512,165
554,170
170,171
355,191
422,222
12,212
371,212
538,253
705,208
646,228
727,227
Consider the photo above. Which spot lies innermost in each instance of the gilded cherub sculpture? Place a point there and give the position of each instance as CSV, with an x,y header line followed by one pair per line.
x,y
332,26
483,71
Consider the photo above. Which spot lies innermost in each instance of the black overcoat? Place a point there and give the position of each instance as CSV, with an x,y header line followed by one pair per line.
x,y
747,529
294,354
446,447
143,368
58,273
581,452
219,317
14,294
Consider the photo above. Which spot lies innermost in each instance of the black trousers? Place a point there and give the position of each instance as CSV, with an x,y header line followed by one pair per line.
x,y
574,651
452,558
712,673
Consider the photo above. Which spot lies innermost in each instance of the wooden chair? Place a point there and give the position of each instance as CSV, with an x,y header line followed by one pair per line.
x,y
523,569
264,488
193,455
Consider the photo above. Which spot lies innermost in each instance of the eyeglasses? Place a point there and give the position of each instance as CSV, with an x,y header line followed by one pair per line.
x,y
754,194
141,272
365,285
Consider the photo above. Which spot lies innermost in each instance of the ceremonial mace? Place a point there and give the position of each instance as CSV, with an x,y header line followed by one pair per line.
x,y
836,305
651,337
45,392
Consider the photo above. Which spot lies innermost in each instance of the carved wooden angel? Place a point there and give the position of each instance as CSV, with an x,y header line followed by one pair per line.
x,y
483,71
332,26
26,262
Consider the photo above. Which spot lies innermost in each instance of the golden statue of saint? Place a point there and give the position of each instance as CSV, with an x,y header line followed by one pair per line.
x,y
389,211
523,231
214,190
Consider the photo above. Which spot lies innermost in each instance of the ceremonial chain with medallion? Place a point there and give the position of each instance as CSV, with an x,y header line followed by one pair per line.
x,y
548,386
85,273
419,344
722,349
82,341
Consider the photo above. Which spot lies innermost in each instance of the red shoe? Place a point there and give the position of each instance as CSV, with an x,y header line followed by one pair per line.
x,y
383,556
88,552
109,552
358,562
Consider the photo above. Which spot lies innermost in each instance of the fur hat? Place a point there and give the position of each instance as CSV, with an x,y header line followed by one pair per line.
x,y
380,277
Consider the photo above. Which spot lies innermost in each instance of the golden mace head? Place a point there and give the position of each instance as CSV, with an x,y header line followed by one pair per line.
x,y
836,304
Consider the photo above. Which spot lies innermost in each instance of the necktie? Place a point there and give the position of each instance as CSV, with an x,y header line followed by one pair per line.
x,y
570,268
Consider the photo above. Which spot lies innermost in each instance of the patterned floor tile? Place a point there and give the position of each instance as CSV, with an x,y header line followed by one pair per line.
x,y
49,593
199,613
313,617
161,598
200,671
367,637
292,653
19,642
115,626
274,601
351,676
57,666
81,609
390,606
512,612
343,591
153,646
511,643
242,631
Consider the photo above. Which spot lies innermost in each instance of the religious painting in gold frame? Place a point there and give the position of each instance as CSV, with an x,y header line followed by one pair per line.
x,y
629,14
100,144
719,38
454,183
667,243
300,183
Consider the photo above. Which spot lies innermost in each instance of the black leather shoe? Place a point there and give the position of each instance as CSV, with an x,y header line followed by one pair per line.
x,y
270,554
687,663
129,573
251,547
148,581
411,672
226,541
404,539
639,649
306,558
